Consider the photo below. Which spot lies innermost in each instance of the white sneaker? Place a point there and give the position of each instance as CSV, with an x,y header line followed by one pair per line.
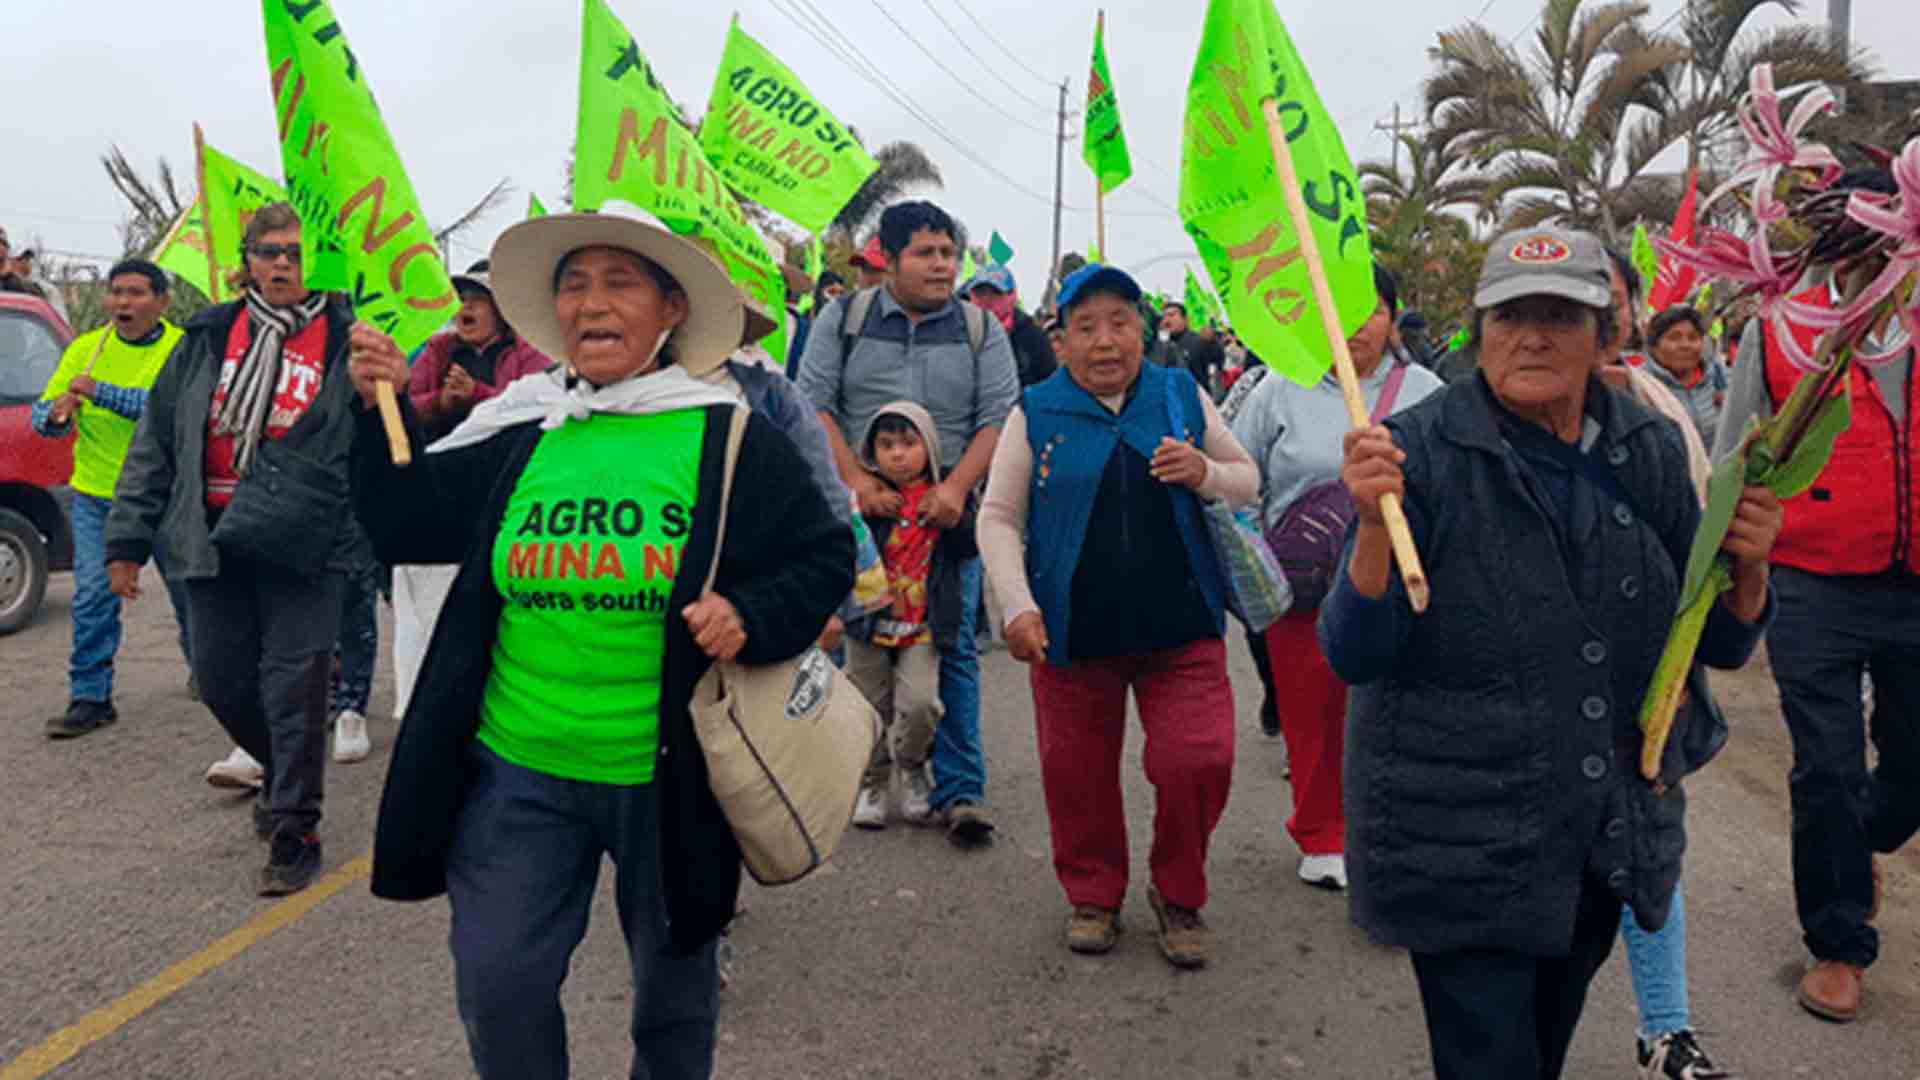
x,y
916,798
1325,871
350,742
238,771
871,811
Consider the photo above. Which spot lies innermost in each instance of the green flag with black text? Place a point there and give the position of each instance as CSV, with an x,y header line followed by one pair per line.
x,y
1232,204
363,232
632,145
1105,144
773,140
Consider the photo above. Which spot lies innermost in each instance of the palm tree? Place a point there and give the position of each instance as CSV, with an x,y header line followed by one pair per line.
x,y
1724,55
152,206
1567,128
903,167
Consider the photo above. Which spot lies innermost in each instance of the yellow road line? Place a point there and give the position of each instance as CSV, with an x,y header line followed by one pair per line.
x,y
104,1021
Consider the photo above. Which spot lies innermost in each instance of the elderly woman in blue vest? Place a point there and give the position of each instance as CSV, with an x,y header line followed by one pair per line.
x,y
1497,816
1091,531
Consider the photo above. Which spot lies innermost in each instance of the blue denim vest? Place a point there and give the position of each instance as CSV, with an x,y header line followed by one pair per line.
x,y
1073,436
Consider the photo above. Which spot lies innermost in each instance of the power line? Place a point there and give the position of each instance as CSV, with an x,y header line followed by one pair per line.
x,y
942,65
984,29
975,53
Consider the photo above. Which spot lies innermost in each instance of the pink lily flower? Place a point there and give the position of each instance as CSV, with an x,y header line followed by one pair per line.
x,y
1897,216
1776,145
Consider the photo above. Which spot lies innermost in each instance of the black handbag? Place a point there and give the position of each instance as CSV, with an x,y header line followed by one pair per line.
x,y
287,511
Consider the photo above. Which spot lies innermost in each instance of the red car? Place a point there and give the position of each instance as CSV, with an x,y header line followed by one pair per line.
x,y
36,532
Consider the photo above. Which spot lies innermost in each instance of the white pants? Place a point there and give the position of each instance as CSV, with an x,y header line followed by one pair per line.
x,y
418,594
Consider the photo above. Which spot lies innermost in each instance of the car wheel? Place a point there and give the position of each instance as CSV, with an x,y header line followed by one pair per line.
x,y
23,571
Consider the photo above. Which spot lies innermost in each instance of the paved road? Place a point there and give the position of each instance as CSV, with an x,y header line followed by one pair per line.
x,y
906,959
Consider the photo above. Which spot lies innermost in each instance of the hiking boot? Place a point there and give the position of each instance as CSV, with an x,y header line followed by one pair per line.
x,y
237,771
293,858
916,796
350,742
1832,990
1092,930
1324,871
262,822
1184,938
969,825
81,718
1677,1057
870,811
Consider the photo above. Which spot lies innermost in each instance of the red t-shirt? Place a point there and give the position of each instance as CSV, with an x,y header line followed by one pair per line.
x,y
305,367
908,555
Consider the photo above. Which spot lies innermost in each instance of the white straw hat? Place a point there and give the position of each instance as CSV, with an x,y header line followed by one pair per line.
x,y
525,257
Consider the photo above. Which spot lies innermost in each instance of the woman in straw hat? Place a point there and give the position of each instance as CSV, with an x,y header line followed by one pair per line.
x,y
549,725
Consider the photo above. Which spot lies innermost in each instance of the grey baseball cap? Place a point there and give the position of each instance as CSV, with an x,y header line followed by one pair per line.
x,y
1545,262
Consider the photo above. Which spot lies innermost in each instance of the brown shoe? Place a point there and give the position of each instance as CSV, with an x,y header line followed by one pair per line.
x,y
1831,990
1184,938
1092,930
969,825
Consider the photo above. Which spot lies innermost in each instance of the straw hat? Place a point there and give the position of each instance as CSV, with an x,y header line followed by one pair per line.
x,y
525,257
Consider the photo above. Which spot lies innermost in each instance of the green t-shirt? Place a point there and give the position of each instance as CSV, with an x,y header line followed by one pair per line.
x,y
106,435
585,561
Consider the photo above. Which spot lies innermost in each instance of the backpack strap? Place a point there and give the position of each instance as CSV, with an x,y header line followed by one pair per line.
x,y
975,317
853,320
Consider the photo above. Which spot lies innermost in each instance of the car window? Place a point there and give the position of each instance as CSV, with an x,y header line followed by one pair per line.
x,y
29,352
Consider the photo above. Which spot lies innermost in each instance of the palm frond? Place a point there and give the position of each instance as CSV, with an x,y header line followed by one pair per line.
x,y
488,204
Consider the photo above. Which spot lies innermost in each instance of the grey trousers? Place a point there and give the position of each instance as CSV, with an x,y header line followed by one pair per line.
x,y
520,877
903,686
262,653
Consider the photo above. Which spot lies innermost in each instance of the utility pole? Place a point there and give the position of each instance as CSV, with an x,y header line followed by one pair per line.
x,y
1059,198
1840,34
1394,129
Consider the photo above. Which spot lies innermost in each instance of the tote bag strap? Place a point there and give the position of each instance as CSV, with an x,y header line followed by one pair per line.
x,y
735,432
1389,393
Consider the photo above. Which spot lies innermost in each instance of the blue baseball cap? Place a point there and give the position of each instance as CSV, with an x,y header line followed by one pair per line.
x,y
1095,277
994,276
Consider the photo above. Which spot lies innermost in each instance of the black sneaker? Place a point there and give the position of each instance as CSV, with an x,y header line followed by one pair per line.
x,y
1269,719
1677,1057
293,858
81,718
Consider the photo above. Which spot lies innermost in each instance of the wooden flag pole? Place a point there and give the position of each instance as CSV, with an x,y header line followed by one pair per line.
x,y
206,214
1398,531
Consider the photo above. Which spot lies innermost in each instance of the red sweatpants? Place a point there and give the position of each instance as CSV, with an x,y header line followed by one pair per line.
x,y
1313,717
1186,709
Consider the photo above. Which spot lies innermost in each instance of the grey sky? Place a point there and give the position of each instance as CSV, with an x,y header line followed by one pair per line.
x,y
485,89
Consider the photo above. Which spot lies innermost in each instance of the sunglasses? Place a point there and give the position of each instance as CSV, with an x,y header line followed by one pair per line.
x,y
271,252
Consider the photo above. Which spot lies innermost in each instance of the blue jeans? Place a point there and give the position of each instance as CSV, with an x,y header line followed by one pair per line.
x,y
1659,965
520,878
959,761
357,650
96,611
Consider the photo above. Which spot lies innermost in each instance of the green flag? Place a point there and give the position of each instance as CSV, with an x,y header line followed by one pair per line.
x,y
183,251
773,140
1645,259
535,208
968,267
1155,301
632,145
1104,145
816,265
1195,301
999,251
1230,197
233,194
364,233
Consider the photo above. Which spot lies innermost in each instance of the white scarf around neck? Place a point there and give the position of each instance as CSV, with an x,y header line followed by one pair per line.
x,y
546,397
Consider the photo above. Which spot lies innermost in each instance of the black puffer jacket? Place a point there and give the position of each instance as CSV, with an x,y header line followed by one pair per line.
x,y
1493,747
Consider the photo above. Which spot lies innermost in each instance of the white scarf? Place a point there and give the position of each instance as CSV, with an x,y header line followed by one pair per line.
x,y
546,397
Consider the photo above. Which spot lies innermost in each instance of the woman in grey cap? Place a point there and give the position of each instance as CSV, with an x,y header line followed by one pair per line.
x,y
1497,816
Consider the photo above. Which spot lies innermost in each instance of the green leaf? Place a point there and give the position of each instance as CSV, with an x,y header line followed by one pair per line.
x,y
1723,496
1795,475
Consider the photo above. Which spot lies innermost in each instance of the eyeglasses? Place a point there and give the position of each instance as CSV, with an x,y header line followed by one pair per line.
x,y
272,252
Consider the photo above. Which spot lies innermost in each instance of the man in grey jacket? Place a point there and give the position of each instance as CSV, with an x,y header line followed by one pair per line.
x,y
917,342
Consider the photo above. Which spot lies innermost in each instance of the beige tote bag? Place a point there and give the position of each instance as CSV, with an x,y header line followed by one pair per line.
x,y
785,743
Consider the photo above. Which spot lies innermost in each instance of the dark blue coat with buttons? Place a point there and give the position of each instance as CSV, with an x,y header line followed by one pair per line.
x,y
1492,746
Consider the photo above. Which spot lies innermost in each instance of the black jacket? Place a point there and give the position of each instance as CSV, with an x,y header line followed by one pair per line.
x,y
1493,754
1032,351
162,491
787,565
